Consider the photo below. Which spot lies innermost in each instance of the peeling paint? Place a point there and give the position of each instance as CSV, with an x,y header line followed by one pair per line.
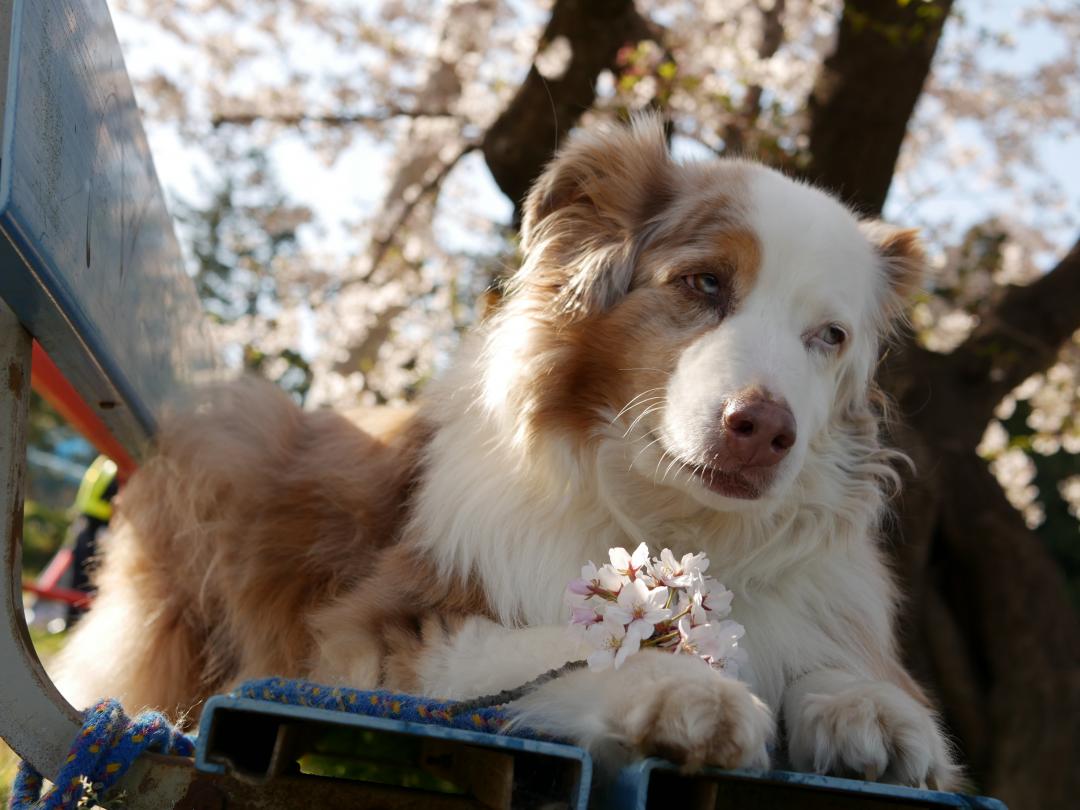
x,y
16,379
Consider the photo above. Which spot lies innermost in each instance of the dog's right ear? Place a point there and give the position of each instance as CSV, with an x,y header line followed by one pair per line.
x,y
584,215
903,262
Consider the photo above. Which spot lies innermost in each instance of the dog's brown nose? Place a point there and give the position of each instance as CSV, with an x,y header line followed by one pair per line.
x,y
758,431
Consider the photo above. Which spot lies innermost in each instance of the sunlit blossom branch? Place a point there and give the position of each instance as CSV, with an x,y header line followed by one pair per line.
x,y
380,245
772,37
1020,335
220,119
525,135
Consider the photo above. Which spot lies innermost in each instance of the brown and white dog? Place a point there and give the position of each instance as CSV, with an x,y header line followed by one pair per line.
x,y
685,357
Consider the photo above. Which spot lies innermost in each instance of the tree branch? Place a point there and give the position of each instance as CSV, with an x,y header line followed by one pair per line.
x,y
221,119
865,94
381,243
1020,336
988,620
529,130
1010,599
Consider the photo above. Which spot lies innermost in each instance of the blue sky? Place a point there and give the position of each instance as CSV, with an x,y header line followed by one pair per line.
x,y
964,196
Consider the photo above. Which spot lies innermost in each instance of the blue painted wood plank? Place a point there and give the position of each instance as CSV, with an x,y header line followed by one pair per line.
x,y
89,261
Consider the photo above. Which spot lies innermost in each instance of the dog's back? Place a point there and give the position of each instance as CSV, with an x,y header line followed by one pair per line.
x,y
250,513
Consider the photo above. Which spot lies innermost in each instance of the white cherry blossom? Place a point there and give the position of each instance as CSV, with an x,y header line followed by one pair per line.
x,y
613,644
661,602
717,643
640,608
626,564
679,573
708,600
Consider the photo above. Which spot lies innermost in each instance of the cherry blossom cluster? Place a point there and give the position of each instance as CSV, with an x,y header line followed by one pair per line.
x,y
636,601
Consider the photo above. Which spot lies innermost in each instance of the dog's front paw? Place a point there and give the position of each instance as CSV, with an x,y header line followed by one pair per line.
x,y
872,731
697,717
656,704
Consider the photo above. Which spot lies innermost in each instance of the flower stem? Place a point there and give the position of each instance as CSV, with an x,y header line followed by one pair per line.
x,y
510,695
656,641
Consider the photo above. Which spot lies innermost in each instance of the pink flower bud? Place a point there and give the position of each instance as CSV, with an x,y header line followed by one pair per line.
x,y
580,586
583,615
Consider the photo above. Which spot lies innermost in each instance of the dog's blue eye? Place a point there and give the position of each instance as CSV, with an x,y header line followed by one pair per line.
x,y
705,283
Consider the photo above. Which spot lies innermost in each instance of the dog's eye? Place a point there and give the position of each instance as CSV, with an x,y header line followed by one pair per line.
x,y
833,335
829,337
705,283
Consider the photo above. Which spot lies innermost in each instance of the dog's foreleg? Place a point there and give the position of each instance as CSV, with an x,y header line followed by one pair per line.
x,y
483,658
656,704
675,706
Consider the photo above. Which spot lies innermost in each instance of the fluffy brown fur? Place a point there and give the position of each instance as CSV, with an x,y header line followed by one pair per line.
x,y
250,515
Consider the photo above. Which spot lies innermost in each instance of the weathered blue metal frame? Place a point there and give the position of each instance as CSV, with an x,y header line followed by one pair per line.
x,y
577,798
91,263
630,791
90,268
34,719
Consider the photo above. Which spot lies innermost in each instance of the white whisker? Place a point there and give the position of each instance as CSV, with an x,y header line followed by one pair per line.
x,y
634,402
642,415
674,460
663,455
642,450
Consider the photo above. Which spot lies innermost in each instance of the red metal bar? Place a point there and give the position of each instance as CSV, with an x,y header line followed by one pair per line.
x,y
54,388
69,595
58,392
59,564
47,586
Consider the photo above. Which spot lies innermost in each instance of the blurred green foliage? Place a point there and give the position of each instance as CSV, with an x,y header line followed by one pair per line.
x,y
44,529
49,491
372,756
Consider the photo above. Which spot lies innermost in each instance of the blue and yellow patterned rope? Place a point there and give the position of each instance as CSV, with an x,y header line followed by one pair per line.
x,y
105,748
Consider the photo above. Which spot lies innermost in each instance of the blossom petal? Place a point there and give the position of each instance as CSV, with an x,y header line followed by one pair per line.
x,y
631,644
641,629
610,579
584,615
634,594
600,660
581,587
657,597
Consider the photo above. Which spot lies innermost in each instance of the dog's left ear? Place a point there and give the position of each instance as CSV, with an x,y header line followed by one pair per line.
x,y
903,261
584,217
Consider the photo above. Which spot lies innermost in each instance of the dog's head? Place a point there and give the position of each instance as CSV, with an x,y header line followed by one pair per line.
x,y
717,317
